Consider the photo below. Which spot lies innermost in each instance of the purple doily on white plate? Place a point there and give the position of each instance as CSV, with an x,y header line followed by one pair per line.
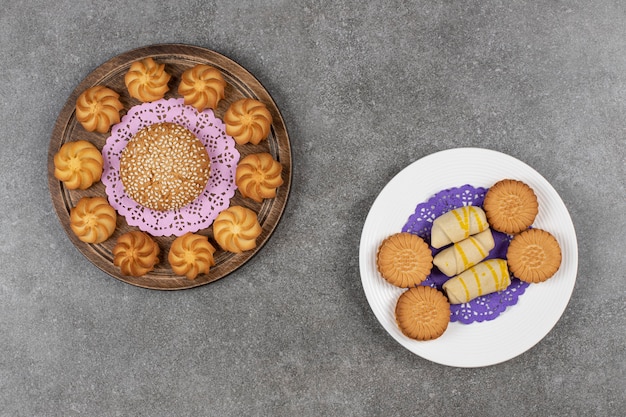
x,y
486,307
221,187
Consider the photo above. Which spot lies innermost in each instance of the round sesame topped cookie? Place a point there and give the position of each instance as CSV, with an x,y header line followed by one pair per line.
x,y
164,167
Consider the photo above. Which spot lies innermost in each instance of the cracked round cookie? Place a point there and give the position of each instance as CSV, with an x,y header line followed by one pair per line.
x,y
164,167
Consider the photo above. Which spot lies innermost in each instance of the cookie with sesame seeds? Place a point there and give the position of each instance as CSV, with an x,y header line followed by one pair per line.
x,y
164,167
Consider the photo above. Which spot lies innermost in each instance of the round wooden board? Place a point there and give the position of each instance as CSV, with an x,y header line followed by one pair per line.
x,y
177,58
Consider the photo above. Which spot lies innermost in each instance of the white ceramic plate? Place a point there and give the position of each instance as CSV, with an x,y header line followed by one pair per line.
x,y
518,328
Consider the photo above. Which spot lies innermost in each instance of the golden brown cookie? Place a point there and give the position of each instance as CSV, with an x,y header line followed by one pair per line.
x,y
258,176
404,259
191,255
135,253
422,313
98,108
147,80
236,229
248,121
511,206
202,86
93,220
164,167
534,255
78,164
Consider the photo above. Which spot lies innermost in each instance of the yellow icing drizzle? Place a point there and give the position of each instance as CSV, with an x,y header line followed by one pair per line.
x,y
467,294
462,215
495,276
463,221
478,247
481,226
503,271
463,255
459,249
477,278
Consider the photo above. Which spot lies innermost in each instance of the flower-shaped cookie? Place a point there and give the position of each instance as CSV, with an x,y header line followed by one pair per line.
x,y
98,108
258,175
93,220
135,253
78,164
190,255
146,80
248,120
202,87
236,229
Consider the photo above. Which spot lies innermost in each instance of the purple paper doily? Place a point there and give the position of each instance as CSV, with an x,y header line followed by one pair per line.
x,y
486,307
221,187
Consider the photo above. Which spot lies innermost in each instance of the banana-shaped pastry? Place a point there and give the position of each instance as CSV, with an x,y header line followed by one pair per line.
x,y
488,276
457,225
464,254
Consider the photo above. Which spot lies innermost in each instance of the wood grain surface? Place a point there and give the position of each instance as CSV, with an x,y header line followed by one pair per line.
x,y
177,58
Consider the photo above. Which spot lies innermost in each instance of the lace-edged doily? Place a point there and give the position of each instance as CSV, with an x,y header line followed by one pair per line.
x,y
486,307
221,187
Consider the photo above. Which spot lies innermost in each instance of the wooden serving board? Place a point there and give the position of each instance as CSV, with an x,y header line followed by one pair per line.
x,y
177,58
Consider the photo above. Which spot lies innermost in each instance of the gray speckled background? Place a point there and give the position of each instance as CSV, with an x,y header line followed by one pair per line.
x,y
365,89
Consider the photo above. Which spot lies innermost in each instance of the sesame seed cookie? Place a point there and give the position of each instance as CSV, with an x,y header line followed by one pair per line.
x,y
164,167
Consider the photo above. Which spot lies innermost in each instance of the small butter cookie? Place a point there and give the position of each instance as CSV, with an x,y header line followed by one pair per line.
x,y
422,313
202,87
147,80
248,121
404,259
258,176
534,255
191,255
78,164
236,229
511,206
98,108
135,253
93,220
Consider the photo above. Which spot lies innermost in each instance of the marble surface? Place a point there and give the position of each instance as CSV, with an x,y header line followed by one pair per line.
x,y
365,89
